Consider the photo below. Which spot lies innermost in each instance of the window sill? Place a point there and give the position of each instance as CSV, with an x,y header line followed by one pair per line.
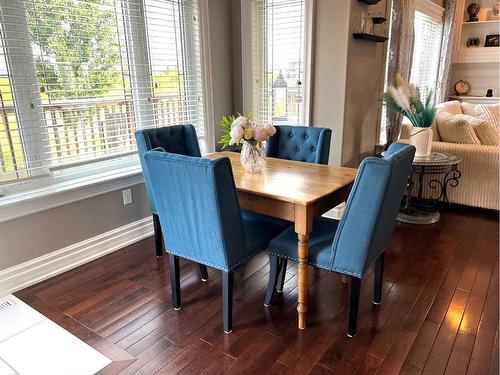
x,y
59,193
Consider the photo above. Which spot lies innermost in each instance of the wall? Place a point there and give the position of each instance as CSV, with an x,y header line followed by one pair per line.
x,y
34,235
348,81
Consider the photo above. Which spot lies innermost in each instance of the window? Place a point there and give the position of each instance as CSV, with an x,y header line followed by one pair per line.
x,y
278,61
426,52
78,77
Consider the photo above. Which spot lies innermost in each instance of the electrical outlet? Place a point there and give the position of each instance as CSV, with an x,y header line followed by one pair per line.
x,y
127,196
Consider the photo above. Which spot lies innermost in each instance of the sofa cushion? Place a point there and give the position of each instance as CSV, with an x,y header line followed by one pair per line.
x,y
453,107
468,109
489,112
487,133
455,129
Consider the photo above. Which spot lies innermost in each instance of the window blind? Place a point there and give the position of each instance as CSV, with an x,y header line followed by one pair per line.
x,y
278,52
78,77
426,52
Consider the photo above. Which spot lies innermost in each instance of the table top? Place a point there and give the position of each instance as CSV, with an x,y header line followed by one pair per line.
x,y
437,159
287,180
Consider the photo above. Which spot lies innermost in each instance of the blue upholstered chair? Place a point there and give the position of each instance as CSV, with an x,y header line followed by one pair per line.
x,y
300,143
177,139
201,219
351,245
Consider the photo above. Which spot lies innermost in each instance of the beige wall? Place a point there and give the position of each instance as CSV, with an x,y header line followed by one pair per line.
x,y
38,234
348,80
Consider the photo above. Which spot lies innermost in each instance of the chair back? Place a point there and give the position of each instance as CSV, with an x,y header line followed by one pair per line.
x,y
198,208
370,213
177,139
300,143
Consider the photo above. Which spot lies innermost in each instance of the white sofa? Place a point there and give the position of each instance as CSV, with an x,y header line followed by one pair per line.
x,y
479,183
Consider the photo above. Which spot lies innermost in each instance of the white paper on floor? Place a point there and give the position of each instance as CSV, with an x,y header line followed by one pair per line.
x,y
32,344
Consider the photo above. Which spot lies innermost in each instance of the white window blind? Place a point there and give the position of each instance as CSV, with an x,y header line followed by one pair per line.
x,y
78,77
426,52
278,54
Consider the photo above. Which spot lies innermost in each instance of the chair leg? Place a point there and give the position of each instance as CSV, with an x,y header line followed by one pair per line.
x,y
158,236
175,281
203,272
353,306
273,279
379,278
227,297
282,275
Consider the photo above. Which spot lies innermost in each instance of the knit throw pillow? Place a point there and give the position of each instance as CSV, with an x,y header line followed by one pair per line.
x,y
468,109
489,112
455,129
485,131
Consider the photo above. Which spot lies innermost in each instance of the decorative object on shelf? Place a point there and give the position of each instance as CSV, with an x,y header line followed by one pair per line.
x,y
489,93
495,11
492,40
251,135
461,87
472,42
405,99
473,10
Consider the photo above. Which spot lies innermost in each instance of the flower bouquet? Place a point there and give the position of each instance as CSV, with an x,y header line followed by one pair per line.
x,y
405,98
251,135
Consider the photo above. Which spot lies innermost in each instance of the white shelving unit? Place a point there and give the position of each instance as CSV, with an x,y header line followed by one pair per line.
x,y
479,66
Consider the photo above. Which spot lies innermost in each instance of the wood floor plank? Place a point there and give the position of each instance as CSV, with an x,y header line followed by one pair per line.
x,y
460,354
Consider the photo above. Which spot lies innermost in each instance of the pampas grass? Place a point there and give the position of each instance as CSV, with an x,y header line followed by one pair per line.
x,y
405,98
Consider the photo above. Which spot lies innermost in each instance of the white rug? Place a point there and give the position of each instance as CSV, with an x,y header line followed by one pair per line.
x,y
32,344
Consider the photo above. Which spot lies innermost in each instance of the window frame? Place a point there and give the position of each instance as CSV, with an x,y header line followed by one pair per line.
x,y
247,58
49,187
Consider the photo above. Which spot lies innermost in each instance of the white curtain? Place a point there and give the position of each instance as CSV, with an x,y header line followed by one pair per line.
x,y
400,55
444,75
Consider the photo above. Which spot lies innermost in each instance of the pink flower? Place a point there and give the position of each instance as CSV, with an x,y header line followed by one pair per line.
x,y
271,130
260,134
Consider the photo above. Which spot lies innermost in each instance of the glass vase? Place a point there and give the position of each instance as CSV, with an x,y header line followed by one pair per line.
x,y
252,157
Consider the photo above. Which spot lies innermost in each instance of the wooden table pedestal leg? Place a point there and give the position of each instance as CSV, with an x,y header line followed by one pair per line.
x,y
303,253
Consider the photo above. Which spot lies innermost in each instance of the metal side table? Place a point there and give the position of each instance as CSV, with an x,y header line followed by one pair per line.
x,y
438,173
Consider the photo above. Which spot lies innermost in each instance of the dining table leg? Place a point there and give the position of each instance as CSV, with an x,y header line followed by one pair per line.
x,y
303,254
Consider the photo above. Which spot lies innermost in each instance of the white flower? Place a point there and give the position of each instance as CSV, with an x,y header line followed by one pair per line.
x,y
236,133
241,122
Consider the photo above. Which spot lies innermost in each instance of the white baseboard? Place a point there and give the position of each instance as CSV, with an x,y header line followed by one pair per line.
x,y
33,271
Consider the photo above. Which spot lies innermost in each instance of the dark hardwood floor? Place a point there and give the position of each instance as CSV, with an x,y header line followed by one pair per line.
x,y
439,312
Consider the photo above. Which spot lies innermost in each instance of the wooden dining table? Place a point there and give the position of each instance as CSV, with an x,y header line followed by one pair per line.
x,y
295,191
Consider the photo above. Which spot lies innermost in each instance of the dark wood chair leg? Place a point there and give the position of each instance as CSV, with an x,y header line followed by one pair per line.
x,y
353,306
273,279
203,272
158,236
227,297
175,281
379,278
282,275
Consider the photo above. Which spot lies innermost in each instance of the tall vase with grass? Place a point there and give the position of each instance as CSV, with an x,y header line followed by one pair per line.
x,y
405,98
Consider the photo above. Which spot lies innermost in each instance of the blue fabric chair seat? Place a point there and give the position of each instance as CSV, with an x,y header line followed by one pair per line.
x,y
283,224
258,233
320,243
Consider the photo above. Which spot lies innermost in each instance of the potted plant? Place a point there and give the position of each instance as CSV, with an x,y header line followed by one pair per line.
x,y
405,98
251,135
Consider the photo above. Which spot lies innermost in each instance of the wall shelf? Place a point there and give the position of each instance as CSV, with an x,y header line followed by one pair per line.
x,y
370,2
478,55
481,22
370,37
